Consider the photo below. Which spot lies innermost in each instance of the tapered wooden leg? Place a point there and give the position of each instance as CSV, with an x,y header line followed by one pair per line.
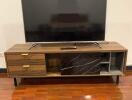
x,y
15,82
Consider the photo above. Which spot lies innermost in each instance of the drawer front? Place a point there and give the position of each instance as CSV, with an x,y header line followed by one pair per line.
x,y
24,56
25,59
27,70
26,62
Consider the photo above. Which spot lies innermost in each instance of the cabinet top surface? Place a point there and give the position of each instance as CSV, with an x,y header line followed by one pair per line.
x,y
56,48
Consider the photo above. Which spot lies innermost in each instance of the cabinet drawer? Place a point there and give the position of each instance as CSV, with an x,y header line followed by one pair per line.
x,y
27,69
24,56
18,62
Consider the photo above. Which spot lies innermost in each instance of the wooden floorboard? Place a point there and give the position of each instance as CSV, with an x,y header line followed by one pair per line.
x,y
92,88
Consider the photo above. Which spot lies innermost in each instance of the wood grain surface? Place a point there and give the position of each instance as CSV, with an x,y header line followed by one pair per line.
x,y
95,88
56,48
23,62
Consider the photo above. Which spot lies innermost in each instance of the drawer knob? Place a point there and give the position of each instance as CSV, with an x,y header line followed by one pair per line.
x,y
24,54
26,66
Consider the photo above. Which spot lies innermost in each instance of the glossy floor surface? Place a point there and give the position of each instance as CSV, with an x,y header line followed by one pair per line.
x,y
94,88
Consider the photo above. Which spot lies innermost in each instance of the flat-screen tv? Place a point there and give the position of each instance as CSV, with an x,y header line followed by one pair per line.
x,y
64,20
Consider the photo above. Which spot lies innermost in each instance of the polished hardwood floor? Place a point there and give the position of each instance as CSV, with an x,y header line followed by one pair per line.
x,y
92,88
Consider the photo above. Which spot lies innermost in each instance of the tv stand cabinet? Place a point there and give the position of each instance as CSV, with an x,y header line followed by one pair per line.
x,y
52,61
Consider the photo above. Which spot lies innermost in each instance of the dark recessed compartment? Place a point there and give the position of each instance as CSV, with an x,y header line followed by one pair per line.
x,y
76,63
53,62
104,67
117,61
84,63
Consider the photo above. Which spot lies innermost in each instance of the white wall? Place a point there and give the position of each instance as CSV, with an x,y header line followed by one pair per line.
x,y
118,27
119,24
11,25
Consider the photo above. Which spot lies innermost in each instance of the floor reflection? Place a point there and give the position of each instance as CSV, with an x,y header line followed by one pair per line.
x,y
92,88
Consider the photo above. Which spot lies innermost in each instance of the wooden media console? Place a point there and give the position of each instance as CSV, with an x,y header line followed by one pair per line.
x,y
55,60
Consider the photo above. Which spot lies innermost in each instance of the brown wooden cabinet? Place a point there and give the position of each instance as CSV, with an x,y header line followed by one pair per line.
x,y
50,60
26,64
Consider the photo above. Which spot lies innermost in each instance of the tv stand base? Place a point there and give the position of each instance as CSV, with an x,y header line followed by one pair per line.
x,y
68,45
97,44
32,46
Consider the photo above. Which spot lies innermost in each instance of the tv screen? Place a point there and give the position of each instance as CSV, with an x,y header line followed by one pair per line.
x,y
64,20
